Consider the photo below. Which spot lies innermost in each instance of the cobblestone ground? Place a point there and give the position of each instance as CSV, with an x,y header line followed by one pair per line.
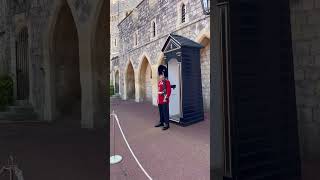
x,y
180,153
49,152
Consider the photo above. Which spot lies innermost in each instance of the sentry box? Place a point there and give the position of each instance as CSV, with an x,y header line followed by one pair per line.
x,y
182,57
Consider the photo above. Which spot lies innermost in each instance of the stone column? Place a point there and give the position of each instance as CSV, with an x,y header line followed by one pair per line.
x,y
154,84
114,80
125,95
119,81
137,87
87,85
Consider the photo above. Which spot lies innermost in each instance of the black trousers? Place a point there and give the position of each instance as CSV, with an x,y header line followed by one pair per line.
x,y
164,113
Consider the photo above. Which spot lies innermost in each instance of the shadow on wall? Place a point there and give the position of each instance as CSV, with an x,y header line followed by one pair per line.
x,y
145,81
130,82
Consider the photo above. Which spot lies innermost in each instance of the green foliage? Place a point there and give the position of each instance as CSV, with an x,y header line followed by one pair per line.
x,y
6,91
111,90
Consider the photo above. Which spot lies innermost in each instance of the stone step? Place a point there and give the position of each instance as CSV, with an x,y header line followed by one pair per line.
x,y
23,122
116,96
15,116
22,103
20,109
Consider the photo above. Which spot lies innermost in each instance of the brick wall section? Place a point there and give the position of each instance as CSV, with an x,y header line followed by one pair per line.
x,y
306,48
165,13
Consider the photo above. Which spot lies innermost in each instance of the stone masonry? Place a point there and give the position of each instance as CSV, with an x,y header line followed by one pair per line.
x,y
167,17
4,39
306,52
118,11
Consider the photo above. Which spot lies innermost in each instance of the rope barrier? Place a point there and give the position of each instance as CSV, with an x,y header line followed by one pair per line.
x,y
125,139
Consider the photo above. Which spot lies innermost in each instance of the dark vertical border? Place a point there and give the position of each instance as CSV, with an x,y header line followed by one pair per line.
x,y
216,115
107,158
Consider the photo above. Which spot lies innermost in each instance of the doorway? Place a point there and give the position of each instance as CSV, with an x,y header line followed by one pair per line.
x,y
174,77
22,65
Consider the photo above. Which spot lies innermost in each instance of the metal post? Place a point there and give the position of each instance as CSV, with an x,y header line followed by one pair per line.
x,y
115,158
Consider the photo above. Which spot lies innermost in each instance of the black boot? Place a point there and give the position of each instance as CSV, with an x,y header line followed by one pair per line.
x,y
158,125
166,126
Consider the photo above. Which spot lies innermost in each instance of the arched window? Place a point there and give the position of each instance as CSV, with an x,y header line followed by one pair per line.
x,y
153,29
183,13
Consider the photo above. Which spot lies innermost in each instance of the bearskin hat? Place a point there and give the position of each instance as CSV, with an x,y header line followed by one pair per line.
x,y
162,70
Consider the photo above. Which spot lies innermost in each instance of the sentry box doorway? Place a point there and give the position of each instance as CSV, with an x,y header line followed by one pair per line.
x,y
182,57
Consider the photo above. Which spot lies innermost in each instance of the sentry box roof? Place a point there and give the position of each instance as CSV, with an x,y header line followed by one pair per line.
x,y
175,42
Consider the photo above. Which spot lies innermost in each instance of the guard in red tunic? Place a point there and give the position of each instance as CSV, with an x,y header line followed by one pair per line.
x,y
164,92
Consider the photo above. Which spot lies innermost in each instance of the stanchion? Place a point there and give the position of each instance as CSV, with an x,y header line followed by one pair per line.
x,y
115,158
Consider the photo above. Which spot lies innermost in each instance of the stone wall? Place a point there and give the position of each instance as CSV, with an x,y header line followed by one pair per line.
x,y
166,15
306,52
38,16
117,13
4,39
205,73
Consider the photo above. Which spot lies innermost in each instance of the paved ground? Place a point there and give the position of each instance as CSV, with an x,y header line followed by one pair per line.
x,y
180,153
54,152
310,170
62,151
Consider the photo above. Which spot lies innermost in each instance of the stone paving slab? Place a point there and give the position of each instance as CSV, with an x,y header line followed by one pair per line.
x,y
178,153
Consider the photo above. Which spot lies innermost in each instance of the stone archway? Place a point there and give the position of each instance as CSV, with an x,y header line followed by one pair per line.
x,y
145,80
100,64
130,82
65,66
205,71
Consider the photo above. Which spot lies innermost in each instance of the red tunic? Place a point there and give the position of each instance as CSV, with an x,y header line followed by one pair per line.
x,y
161,88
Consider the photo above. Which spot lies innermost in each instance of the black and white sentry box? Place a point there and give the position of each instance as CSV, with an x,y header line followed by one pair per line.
x,y
182,57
